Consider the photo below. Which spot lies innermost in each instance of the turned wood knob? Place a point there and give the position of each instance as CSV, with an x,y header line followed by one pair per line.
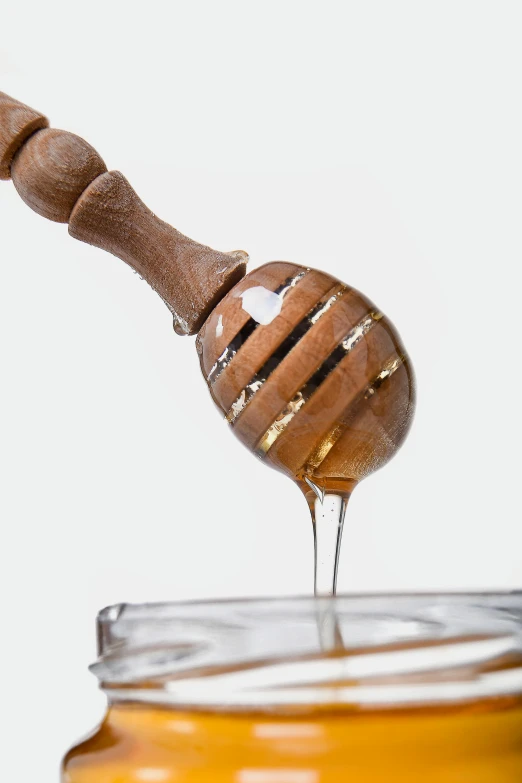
x,y
310,375
60,176
51,171
17,123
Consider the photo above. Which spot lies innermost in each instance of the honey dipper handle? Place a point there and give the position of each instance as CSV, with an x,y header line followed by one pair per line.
x,y
60,176
17,123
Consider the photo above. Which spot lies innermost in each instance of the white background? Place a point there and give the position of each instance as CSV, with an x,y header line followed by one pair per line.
x,y
379,141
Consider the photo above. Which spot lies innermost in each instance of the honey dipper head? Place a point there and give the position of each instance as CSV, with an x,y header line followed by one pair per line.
x,y
310,375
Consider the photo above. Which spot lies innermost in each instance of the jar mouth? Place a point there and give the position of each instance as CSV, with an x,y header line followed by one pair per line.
x,y
358,651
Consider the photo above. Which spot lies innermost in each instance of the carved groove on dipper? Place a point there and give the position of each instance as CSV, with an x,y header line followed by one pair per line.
x,y
353,337
318,456
251,325
280,353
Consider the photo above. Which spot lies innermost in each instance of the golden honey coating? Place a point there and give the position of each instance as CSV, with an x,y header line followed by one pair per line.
x,y
309,374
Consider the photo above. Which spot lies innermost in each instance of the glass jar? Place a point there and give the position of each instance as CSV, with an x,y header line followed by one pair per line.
x,y
363,689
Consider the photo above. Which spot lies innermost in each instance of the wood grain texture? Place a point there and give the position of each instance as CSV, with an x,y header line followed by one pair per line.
x,y
190,278
266,340
333,402
61,177
51,171
297,367
17,123
323,392
366,436
226,321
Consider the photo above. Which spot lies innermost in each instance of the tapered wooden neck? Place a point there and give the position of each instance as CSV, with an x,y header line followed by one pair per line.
x,y
61,177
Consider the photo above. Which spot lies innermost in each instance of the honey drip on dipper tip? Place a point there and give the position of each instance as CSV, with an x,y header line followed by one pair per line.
x,y
328,513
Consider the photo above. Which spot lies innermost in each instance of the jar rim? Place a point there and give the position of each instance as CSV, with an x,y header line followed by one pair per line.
x,y
363,651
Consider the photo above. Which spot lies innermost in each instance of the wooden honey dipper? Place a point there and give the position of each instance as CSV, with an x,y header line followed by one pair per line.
x,y
310,375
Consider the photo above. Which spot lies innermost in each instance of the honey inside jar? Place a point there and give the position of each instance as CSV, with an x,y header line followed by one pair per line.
x,y
409,688
480,744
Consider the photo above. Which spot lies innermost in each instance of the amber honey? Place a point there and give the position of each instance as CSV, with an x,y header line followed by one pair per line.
x,y
481,743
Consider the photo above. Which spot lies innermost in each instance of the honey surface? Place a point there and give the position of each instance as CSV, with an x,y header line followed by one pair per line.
x,y
480,743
